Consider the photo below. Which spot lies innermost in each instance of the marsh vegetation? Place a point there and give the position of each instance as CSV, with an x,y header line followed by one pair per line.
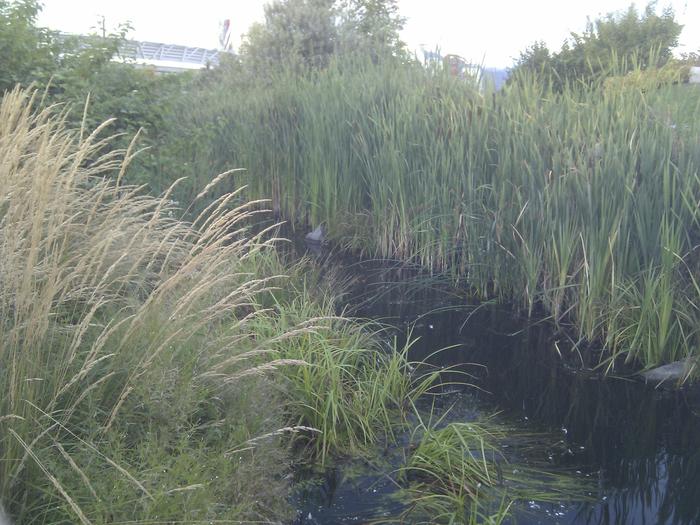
x,y
581,203
166,358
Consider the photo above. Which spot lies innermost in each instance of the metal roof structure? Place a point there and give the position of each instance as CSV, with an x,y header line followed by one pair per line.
x,y
169,57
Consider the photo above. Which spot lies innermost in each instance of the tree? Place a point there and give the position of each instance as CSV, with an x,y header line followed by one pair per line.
x,y
692,58
72,67
27,53
307,33
295,32
31,54
614,44
647,38
535,60
371,26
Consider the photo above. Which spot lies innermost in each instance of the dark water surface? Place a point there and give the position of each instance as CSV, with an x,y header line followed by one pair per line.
x,y
637,446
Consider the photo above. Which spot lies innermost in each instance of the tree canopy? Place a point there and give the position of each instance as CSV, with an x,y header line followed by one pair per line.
x,y
308,33
613,44
26,51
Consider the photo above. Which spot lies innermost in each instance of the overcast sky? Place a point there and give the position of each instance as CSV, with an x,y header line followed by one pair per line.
x,y
492,32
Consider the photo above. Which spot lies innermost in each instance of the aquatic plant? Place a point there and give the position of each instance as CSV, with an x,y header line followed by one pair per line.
x,y
582,201
458,473
448,469
357,386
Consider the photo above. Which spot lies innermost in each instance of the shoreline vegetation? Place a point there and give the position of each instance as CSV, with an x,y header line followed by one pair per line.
x,y
580,202
158,369
571,191
162,362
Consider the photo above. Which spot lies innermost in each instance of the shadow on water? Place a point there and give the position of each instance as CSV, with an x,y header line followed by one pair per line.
x,y
640,445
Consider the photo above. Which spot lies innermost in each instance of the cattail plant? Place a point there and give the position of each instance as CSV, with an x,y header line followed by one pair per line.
x,y
581,202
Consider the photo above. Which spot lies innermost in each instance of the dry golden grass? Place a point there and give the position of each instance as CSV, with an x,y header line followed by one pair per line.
x,y
102,288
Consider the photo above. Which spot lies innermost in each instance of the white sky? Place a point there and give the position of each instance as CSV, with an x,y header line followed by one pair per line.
x,y
492,32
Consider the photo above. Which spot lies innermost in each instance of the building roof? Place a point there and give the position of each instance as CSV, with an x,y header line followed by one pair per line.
x,y
169,57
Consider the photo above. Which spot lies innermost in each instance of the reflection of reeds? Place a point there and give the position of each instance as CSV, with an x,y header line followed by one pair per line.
x,y
662,488
584,201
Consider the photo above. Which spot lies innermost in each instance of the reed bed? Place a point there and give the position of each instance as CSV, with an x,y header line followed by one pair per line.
x,y
583,202
144,358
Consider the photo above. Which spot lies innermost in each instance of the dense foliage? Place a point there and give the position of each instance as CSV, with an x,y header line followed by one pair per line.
x,y
154,369
27,53
612,45
582,202
307,33
371,122
78,70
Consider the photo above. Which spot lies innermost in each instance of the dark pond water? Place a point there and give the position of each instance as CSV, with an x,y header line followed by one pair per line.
x,y
636,445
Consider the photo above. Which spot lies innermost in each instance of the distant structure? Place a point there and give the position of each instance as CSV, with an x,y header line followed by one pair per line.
x,y
694,75
461,68
169,58
163,58
226,37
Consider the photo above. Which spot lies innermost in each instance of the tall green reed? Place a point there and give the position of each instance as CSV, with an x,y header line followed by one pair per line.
x,y
561,198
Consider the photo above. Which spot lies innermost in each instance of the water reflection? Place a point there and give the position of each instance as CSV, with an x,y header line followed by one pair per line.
x,y
642,444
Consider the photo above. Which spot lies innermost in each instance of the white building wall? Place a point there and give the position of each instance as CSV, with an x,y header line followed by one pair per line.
x,y
694,75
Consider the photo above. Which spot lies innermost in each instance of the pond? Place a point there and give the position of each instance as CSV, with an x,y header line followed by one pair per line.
x,y
636,446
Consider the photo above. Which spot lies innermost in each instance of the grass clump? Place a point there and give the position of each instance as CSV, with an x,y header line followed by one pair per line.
x,y
457,473
355,388
114,316
448,471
